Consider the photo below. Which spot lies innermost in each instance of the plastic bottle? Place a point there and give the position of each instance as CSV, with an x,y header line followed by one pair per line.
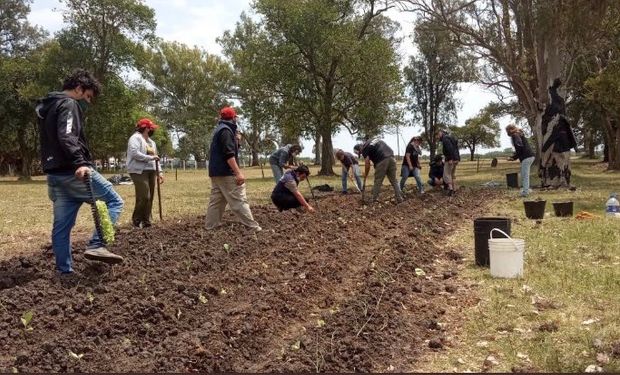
x,y
612,207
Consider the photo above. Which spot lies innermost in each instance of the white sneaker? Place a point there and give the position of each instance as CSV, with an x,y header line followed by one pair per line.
x,y
101,254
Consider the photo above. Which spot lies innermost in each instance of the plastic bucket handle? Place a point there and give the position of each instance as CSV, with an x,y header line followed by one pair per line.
x,y
507,236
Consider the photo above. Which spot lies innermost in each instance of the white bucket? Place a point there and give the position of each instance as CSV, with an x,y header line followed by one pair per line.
x,y
506,256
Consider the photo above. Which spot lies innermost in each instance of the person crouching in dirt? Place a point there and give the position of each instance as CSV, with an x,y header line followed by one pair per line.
x,y
435,174
279,160
349,163
286,194
227,180
382,158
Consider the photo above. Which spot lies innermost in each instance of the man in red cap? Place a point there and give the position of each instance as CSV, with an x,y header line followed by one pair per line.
x,y
227,180
141,159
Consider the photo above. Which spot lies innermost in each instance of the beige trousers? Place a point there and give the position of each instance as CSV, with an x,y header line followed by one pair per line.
x,y
449,173
224,190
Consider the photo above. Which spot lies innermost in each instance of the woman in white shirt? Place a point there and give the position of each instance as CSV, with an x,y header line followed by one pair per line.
x,y
141,159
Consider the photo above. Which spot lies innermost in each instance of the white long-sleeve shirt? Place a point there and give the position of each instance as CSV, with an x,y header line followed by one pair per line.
x,y
137,158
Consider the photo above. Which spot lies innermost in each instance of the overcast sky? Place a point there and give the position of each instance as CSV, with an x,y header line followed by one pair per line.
x,y
200,22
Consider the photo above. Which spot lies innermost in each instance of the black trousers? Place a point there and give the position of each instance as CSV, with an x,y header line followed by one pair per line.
x,y
285,201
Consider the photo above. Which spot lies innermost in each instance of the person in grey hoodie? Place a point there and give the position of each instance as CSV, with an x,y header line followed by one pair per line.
x,y
67,161
141,159
279,160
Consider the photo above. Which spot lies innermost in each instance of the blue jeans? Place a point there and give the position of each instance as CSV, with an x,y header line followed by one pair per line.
x,y
526,164
68,193
356,173
404,174
277,172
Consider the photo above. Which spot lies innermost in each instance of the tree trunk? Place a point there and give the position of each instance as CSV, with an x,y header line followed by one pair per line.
x,y
26,171
255,157
327,153
317,149
612,131
472,151
588,142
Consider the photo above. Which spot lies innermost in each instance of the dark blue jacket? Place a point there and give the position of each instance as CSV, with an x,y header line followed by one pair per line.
x,y
223,147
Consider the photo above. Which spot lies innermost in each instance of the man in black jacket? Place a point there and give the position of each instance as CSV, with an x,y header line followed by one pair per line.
x,y
450,146
227,180
66,160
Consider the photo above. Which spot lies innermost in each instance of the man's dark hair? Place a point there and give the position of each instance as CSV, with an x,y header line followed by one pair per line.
x,y
84,79
302,169
295,148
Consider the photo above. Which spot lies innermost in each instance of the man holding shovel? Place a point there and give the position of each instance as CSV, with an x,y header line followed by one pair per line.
x,y
66,160
382,158
142,166
349,164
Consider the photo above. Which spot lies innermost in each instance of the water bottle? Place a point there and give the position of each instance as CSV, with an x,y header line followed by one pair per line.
x,y
612,207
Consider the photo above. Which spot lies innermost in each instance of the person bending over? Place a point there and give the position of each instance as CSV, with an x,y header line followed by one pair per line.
x,y
286,194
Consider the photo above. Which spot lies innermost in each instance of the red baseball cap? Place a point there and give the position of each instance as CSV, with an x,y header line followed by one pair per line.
x,y
146,123
228,113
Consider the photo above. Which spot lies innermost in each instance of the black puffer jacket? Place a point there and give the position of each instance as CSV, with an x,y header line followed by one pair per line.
x,y
63,144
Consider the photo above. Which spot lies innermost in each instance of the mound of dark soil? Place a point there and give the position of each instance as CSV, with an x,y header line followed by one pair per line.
x,y
351,288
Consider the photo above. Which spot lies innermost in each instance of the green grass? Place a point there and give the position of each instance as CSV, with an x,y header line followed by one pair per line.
x,y
571,265
575,265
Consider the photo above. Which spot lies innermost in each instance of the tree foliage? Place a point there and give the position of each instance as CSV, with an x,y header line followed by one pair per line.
x,y
324,63
189,88
432,79
481,130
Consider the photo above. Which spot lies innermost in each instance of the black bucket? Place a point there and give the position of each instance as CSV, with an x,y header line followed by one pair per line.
x,y
512,180
534,209
563,209
482,231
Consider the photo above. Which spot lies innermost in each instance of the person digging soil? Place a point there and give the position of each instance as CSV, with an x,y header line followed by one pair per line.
x,y
286,194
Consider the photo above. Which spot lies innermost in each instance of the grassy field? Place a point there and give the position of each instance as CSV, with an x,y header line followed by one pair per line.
x,y
565,312
564,315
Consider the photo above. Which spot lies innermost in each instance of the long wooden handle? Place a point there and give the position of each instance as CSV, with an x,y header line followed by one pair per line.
x,y
158,189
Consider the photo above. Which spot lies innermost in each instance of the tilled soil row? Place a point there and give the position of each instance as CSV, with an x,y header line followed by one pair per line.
x,y
342,290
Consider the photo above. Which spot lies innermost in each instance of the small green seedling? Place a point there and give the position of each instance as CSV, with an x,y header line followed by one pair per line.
x,y
420,272
227,247
26,319
202,299
90,297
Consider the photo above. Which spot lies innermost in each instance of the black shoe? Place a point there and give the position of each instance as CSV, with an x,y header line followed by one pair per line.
x,y
344,192
146,224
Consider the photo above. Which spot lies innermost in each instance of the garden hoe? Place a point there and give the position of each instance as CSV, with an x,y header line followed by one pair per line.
x,y
312,192
354,182
158,188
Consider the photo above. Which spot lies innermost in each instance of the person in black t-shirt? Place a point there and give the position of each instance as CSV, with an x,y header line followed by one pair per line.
x,y
411,164
382,158
349,163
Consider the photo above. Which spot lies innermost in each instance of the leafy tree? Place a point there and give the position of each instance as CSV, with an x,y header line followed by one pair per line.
x,y
189,87
319,60
521,46
21,53
107,34
481,130
432,79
